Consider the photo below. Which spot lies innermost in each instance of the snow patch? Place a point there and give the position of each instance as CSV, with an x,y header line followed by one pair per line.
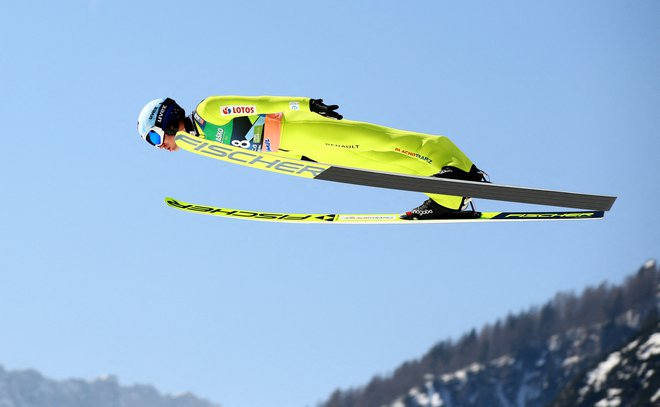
x,y
630,318
422,399
656,396
616,402
612,400
571,360
502,361
648,374
553,343
462,374
632,345
105,378
436,400
650,347
598,376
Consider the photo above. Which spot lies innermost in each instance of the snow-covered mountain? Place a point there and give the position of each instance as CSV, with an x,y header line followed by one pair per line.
x,y
629,376
28,388
534,376
601,348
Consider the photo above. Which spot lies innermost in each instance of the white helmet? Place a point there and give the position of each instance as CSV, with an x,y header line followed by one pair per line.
x,y
158,118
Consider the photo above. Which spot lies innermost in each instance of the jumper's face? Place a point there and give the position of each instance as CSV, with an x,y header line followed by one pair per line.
x,y
169,143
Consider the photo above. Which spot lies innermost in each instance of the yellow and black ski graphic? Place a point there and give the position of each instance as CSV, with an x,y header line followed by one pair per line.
x,y
382,218
306,169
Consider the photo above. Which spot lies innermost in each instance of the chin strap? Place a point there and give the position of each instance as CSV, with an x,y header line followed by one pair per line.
x,y
189,125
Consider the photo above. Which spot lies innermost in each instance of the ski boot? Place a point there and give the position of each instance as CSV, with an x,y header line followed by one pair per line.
x,y
475,174
430,209
433,210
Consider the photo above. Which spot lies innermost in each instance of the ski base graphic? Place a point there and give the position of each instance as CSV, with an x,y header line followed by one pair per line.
x,y
367,219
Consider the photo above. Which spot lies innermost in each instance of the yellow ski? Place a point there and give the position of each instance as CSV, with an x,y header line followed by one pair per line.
x,y
381,218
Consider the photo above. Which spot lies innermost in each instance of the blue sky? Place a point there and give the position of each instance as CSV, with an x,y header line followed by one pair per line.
x,y
99,276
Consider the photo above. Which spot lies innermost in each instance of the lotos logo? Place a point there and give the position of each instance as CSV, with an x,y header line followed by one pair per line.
x,y
229,110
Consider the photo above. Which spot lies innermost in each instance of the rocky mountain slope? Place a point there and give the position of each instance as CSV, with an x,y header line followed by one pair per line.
x,y
28,388
593,349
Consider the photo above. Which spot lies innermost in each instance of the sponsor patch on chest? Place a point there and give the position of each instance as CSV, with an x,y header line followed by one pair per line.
x,y
238,109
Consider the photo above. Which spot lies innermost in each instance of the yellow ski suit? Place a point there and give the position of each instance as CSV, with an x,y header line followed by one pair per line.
x,y
253,121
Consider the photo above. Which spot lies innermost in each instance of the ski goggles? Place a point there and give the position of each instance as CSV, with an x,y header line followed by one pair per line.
x,y
155,136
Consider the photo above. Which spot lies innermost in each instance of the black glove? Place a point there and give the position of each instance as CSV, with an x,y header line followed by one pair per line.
x,y
317,106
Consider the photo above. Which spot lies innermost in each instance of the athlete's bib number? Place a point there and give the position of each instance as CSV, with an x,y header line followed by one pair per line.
x,y
240,143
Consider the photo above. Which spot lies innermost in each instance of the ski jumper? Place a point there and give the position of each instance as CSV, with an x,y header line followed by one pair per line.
x,y
285,126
